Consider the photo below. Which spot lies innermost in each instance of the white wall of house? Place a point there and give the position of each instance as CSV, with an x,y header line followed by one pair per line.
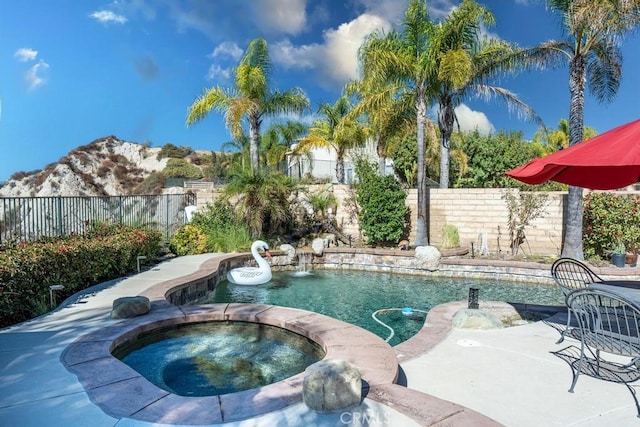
x,y
320,163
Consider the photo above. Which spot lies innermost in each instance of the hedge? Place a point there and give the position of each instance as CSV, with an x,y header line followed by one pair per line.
x,y
27,269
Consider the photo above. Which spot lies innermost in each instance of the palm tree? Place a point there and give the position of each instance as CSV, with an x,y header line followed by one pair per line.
x,y
559,138
460,63
594,31
278,139
336,130
250,98
394,62
262,198
388,118
438,62
239,147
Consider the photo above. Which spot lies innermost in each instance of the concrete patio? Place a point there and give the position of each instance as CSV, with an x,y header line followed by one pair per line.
x,y
507,376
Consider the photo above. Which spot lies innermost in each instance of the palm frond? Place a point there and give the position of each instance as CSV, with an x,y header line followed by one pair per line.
x,y
604,70
512,101
215,98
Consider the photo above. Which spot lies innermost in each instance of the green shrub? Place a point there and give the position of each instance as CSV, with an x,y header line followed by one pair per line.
x,y
179,168
382,201
216,229
106,252
607,219
171,151
189,240
450,236
152,184
232,238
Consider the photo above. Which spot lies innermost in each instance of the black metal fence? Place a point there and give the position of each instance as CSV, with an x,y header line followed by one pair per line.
x,y
28,218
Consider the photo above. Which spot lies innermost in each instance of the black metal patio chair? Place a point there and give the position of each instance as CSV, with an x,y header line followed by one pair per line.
x,y
571,274
607,323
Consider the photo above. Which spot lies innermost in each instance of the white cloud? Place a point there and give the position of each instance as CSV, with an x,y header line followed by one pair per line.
x,y
34,77
342,44
337,57
288,55
439,9
25,54
216,72
280,16
473,120
229,49
107,16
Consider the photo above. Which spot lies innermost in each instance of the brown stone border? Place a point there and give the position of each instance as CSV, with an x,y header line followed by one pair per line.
x,y
122,392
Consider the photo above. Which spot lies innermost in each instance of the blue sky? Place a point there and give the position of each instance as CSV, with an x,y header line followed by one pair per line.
x,y
74,71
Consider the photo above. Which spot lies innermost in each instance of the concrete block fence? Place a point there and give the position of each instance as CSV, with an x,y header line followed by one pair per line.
x,y
480,214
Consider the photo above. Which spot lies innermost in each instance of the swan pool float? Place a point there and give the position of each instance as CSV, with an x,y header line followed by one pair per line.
x,y
253,275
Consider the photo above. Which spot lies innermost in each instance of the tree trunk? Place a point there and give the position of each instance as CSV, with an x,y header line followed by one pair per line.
x,y
421,222
340,168
382,159
573,227
446,119
254,141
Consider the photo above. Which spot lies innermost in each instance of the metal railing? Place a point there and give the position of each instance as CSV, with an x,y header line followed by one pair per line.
x,y
29,218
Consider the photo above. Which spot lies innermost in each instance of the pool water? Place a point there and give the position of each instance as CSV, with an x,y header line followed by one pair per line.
x,y
352,296
214,358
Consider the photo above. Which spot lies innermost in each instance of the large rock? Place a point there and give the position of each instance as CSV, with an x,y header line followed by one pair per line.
x,y
428,257
318,246
127,307
289,250
476,319
331,385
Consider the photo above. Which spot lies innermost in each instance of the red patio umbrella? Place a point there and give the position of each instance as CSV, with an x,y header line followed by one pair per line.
x,y
608,161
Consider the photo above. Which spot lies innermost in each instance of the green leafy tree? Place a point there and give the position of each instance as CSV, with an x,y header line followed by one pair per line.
x,y
382,201
334,130
460,64
250,98
489,156
594,30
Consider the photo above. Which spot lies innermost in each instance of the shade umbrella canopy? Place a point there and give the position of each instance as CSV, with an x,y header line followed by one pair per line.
x,y
608,161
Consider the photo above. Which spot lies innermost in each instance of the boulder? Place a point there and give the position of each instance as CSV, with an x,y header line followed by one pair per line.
x,y
331,385
318,246
469,318
127,307
290,251
428,257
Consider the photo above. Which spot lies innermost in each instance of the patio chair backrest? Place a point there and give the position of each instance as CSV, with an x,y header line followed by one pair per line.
x,y
607,322
571,274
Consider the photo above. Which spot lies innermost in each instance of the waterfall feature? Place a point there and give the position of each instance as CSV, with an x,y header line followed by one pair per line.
x,y
305,262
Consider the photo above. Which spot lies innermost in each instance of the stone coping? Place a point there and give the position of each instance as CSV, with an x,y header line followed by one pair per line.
x,y
123,393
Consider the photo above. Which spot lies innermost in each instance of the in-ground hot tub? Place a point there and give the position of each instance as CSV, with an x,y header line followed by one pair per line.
x,y
122,392
213,358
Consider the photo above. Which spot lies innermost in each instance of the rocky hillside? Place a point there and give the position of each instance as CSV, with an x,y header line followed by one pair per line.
x,y
105,167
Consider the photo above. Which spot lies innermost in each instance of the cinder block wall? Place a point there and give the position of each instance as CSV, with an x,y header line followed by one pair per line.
x,y
478,211
474,211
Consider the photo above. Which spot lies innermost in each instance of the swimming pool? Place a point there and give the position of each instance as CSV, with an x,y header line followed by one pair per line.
x,y
352,296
